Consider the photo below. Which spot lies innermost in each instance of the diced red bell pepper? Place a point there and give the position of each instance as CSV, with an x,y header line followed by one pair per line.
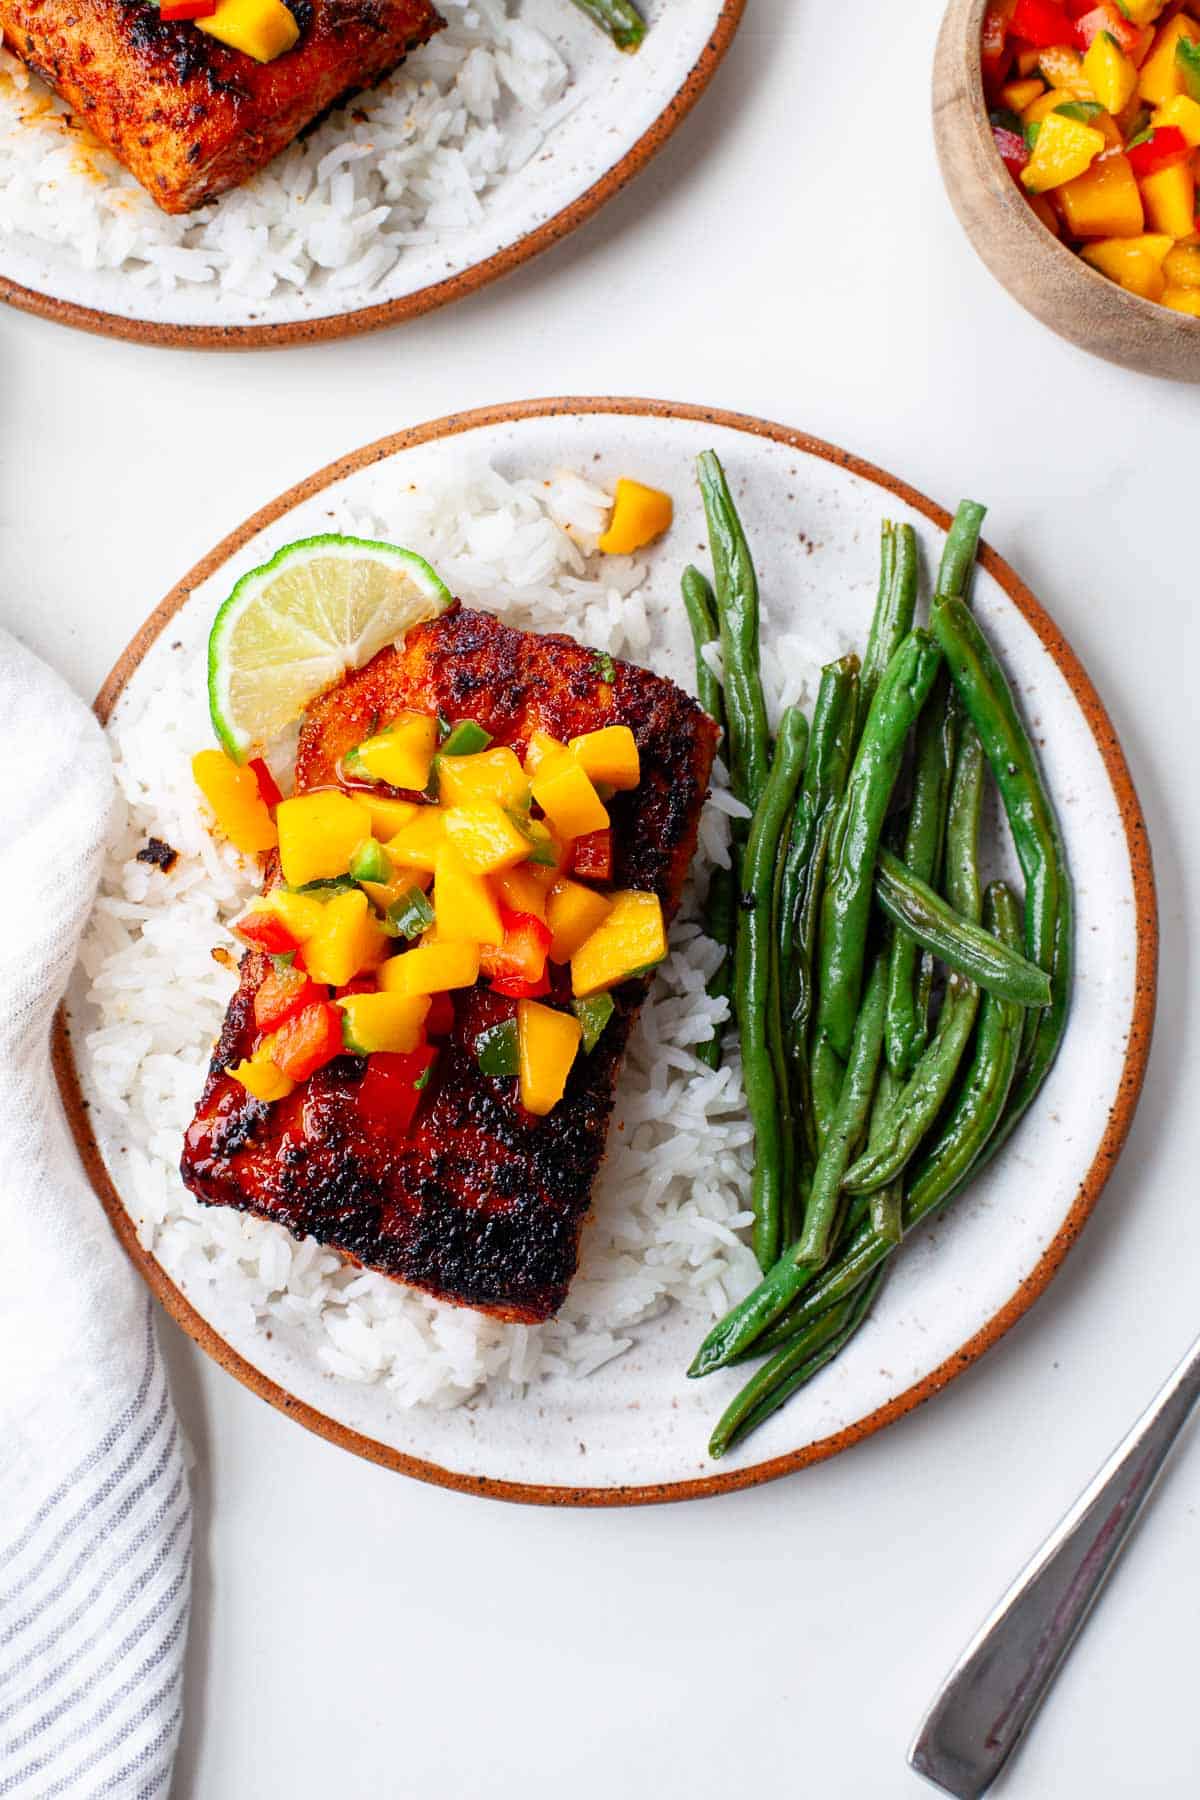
x,y
267,932
268,787
517,967
1166,144
281,995
186,9
1042,23
388,1094
1107,17
592,856
439,1020
1014,151
995,53
308,1041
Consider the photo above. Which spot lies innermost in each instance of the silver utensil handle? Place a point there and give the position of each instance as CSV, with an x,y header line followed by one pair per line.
x,y
996,1686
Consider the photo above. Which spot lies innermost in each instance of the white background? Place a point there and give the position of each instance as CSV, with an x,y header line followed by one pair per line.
x,y
792,254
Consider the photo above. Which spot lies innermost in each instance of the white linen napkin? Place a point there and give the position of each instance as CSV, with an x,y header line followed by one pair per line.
x,y
95,1516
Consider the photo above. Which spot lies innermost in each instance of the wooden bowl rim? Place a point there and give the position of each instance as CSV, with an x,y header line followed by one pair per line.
x,y
333,326
1108,1150
1043,246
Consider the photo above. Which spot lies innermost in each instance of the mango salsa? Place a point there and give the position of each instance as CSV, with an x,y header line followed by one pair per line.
x,y
264,29
1095,112
388,905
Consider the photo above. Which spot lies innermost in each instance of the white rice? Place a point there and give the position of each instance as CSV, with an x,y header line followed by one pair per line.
x,y
669,1218
413,158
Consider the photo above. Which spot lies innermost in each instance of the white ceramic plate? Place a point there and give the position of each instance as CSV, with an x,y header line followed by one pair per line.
x,y
626,107
637,1430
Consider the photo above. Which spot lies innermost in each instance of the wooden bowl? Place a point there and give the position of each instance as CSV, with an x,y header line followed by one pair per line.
x,y
1049,280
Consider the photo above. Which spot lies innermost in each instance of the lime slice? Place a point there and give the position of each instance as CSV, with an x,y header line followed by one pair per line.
x,y
294,627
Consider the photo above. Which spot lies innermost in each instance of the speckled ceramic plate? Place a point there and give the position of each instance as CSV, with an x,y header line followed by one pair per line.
x,y
636,1430
626,107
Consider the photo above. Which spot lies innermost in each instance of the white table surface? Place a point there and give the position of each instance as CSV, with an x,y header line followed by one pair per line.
x,y
791,254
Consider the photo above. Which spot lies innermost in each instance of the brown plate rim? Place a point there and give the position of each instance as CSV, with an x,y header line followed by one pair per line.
x,y
334,326
1103,1162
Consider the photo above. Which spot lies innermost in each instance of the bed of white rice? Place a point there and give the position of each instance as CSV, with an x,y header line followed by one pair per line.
x,y
669,1218
415,157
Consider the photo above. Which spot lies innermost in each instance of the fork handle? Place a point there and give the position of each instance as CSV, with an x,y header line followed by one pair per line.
x,y
1001,1678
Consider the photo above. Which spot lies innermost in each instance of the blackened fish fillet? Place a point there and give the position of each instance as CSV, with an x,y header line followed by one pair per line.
x,y
483,1204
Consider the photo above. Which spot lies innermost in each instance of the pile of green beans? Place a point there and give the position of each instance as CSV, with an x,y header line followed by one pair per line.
x,y
853,906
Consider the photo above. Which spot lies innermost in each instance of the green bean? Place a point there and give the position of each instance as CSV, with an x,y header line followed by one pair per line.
x,y
922,1096
937,732
960,548
720,912
830,749
886,1202
1049,926
846,902
826,1072
756,984
783,1375
848,1123
701,606
895,607
619,19
962,1148
737,614
961,944
960,878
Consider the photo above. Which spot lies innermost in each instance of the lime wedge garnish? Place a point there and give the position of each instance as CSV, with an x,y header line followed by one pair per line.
x,y
294,627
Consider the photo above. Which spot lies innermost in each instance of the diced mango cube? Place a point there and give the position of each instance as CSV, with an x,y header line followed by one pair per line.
x,y
260,1077
1111,74
302,914
1064,149
318,834
521,890
1169,196
417,843
391,1022
494,774
1184,114
573,913
1141,12
1134,263
431,969
639,515
1063,69
548,855
565,794
1019,94
464,906
1182,300
1181,266
542,750
387,816
238,808
1105,201
401,881
610,755
349,940
1045,104
402,755
263,29
632,938
485,837
547,1044
1161,78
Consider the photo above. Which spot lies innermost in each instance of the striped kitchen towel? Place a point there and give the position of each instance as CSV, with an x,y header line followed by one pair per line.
x,y
95,1517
